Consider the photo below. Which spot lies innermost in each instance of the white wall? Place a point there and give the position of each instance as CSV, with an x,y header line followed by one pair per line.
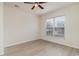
x,y
71,26
19,26
1,29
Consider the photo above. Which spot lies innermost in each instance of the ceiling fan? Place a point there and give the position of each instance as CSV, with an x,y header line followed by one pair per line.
x,y
36,4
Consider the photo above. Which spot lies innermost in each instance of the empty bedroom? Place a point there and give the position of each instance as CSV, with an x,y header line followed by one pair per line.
x,y
39,28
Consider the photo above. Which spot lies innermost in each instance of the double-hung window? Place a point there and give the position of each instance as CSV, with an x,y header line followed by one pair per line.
x,y
55,26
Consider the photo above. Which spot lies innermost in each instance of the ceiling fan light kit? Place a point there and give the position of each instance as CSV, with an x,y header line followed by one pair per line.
x,y
36,5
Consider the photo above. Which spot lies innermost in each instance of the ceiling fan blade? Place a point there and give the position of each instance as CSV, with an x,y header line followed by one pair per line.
x,y
33,7
40,6
34,2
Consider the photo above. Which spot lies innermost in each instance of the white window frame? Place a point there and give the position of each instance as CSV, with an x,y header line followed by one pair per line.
x,y
54,26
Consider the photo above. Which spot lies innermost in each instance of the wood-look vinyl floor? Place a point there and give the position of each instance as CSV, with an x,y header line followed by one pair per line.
x,y
40,48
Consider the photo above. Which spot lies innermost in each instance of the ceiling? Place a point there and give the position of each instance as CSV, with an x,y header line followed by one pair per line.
x,y
50,6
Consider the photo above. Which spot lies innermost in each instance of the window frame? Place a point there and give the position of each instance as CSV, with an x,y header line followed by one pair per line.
x,y
54,26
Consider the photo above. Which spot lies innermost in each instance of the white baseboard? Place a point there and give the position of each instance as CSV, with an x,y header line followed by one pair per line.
x,y
72,46
16,43
20,42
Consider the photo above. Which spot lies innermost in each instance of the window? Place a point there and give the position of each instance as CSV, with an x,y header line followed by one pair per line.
x,y
55,26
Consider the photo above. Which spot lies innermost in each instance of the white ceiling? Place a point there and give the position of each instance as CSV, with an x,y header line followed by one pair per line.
x,y
50,6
